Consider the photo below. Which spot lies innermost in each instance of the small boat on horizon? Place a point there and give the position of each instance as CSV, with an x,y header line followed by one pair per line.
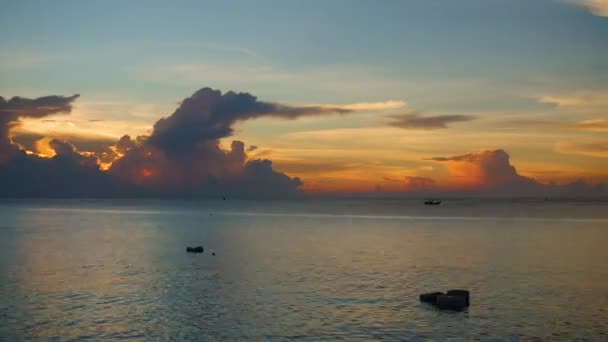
x,y
432,202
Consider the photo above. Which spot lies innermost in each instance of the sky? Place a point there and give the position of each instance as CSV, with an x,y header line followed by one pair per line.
x,y
320,96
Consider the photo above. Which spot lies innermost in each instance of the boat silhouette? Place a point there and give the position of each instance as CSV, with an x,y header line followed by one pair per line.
x,y
432,202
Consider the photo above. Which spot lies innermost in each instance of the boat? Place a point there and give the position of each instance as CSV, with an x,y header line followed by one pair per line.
x,y
432,202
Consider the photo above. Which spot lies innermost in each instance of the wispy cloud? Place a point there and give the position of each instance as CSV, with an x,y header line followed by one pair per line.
x,y
372,106
598,149
416,120
596,125
597,7
585,101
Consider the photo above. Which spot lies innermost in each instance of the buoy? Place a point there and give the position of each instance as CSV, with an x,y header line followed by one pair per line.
x,y
460,293
430,297
449,302
213,253
198,249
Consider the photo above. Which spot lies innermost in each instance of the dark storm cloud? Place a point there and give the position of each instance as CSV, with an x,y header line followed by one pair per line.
x,y
181,158
67,174
208,114
183,155
420,121
18,107
92,144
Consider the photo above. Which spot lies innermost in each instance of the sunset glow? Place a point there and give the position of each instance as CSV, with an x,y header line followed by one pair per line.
x,y
375,124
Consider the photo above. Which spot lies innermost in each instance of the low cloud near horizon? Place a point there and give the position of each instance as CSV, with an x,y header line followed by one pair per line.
x,y
490,172
182,156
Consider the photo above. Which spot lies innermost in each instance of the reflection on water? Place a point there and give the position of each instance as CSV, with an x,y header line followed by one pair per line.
x,y
313,270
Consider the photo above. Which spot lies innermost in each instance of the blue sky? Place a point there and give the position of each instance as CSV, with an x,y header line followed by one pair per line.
x,y
95,46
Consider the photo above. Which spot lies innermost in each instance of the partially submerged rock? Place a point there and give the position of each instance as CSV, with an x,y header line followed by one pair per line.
x,y
448,302
461,293
430,297
198,249
455,299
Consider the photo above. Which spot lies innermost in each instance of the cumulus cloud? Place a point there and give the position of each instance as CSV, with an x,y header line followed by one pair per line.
x,y
491,173
13,110
208,114
415,120
486,169
182,154
36,142
181,157
597,7
67,174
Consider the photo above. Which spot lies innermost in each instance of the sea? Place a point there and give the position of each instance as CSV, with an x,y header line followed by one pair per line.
x,y
302,269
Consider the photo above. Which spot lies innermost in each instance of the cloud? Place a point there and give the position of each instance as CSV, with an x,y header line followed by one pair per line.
x,y
415,120
208,114
182,154
486,169
95,144
13,110
597,7
180,158
490,173
596,125
370,106
414,183
305,167
67,174
585,102
591,149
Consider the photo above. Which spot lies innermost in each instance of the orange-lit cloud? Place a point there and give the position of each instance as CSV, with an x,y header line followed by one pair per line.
x,y
484,169
597,7
189,153
598,149
585,102
597,125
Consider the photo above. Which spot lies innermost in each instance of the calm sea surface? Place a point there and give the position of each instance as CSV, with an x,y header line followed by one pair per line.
x,y
311,270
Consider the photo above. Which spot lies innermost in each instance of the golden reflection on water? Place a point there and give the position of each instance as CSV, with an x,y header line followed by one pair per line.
x,y
104,272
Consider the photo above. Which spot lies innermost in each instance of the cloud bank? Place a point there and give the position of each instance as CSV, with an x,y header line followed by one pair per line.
x,y
180,158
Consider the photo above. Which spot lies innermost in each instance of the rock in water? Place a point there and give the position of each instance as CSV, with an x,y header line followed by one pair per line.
x,y
449,302
461,293
430,297
198,249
